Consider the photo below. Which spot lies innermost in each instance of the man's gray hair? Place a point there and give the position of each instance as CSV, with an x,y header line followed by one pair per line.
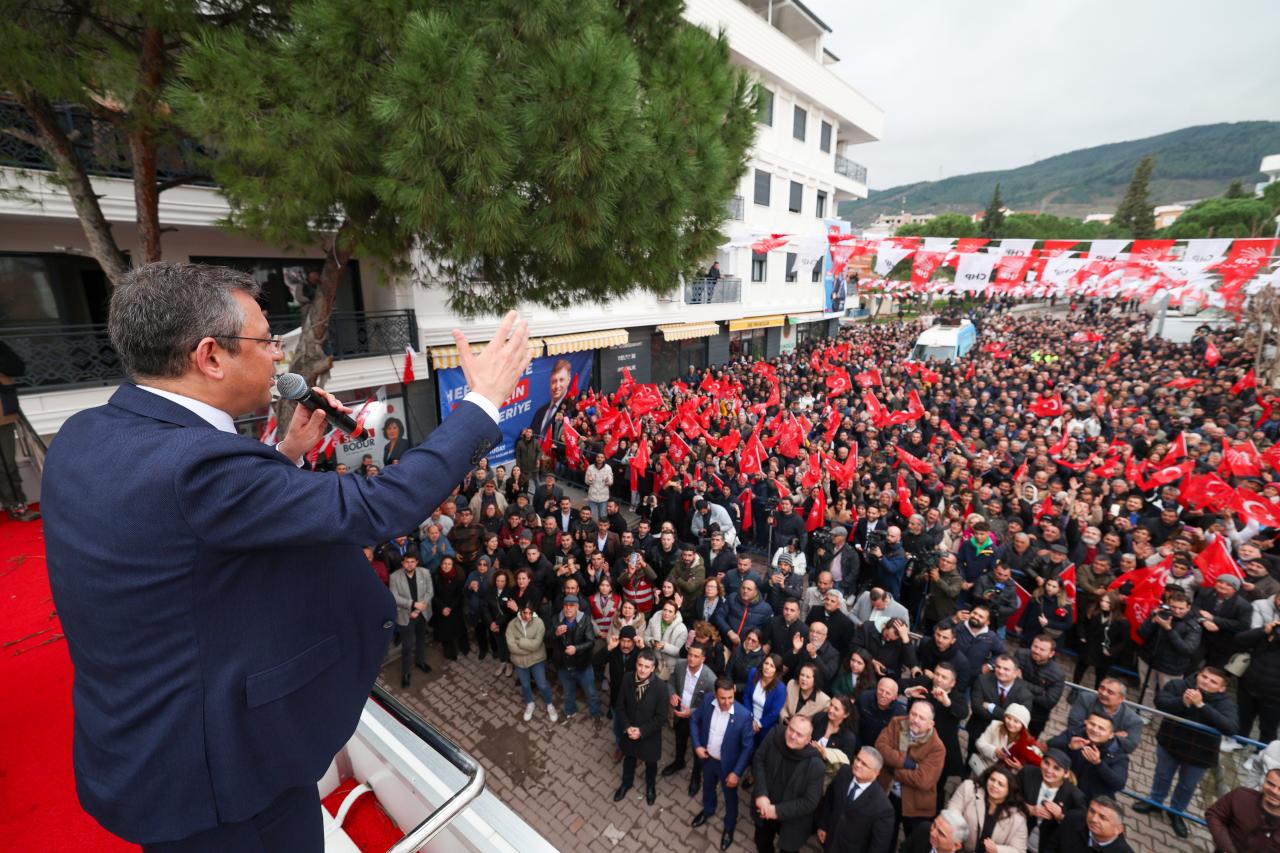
x,y
159,312
959,829
873,756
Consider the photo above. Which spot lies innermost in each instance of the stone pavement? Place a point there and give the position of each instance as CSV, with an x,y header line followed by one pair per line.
x,y
560,778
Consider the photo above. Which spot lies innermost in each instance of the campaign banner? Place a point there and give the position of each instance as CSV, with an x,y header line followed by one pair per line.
x,y
547,379
383,425
835,284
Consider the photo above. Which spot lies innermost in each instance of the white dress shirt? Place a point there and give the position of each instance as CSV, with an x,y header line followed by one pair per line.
x,y
719,725
690,684
216,418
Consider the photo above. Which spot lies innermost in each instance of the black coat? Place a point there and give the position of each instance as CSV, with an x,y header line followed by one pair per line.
x,y
1192,745
839,629
867,825
649,714
795,800
1113,635
1073,837
1045,682
1173,651
986,690
1262,678
1069,797
778,634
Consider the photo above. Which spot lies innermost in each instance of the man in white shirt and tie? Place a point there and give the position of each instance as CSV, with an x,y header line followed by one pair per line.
x,y
855,814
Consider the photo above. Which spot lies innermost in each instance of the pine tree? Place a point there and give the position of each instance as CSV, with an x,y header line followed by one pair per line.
x,y
542,151
993,219
1135,214
1235,190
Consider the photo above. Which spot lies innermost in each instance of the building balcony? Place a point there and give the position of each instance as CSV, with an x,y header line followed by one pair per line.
x,y
854,171
726,290
851,179
63,357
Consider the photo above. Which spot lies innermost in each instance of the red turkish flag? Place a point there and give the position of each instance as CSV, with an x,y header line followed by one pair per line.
x,y
1060,445
744,500
1068,580
833,425
1024,598
1045,508
1050,408
1215,561
813,474
1245,382
572,445
639,462
869,378
1144,596
817,513
951,432
1111,360
1182,383
915,464
663,475
838,382
1177,450
677,449
753,455
968,374
904,497
1211,355
1107,469
1020,474
1253,506
1169,473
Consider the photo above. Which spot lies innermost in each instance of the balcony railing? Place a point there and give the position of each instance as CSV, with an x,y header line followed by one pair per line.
x,y
848,168
60,357
737,208
101,147
713,291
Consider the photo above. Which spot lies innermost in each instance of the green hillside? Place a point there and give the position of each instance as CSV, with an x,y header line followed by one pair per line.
x,y
1191,163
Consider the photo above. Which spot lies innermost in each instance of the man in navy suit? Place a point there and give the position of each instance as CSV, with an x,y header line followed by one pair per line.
x,y
222,619
856,814
722,739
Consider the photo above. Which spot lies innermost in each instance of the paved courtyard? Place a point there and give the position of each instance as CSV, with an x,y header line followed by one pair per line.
x,y
560,778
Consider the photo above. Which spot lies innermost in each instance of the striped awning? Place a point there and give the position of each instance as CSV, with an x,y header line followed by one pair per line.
x,y
580,341
442,357
807,317
685,331
767,322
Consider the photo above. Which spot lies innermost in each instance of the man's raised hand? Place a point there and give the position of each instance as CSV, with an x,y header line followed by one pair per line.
x,y
494,372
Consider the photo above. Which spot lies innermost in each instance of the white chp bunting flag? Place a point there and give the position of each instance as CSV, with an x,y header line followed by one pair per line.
x,y
973,275
1108,249
809,250
1059,272
938,244
1206,252
1013,248
888,256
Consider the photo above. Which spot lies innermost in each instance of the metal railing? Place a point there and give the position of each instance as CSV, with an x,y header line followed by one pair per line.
x,y
737,208
101,147
850,169
417,837
70,356
713,291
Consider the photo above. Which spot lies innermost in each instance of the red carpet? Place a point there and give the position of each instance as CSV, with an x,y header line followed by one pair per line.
x,y
38,805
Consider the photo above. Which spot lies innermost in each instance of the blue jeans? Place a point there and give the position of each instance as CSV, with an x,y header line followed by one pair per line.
x,y
1189,777
539,673
597,510
570,680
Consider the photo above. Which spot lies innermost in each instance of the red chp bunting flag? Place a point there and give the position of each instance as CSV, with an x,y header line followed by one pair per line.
x,y
663,475
1211,355
1011,270
1215,561
1050,408
1245,382
923,266
904,497
408,364
1243,459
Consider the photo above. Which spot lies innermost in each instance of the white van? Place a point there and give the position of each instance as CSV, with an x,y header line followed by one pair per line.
x,y
944,342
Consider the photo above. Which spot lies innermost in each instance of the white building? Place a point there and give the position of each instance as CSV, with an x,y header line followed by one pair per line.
x,y
800,167
1271,168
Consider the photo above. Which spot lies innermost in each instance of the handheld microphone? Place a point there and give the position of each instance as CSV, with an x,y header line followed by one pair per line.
x,y
293,387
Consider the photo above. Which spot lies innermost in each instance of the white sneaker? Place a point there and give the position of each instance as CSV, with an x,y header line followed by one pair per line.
x,y
1231,745
551,713
528,712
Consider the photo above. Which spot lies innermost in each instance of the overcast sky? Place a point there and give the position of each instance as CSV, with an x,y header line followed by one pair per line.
x,y
995,84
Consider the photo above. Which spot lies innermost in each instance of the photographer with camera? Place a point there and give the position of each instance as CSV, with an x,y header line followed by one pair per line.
x,y
997,590
892,561
1171,639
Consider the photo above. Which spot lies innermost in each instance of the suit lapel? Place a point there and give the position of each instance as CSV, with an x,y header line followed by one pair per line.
x,y
131,398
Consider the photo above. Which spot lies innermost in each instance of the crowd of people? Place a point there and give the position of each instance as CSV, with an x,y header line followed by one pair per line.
x,y
855,585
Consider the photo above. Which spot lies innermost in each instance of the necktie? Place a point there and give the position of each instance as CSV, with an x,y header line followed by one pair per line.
x,y
854,791
1004,694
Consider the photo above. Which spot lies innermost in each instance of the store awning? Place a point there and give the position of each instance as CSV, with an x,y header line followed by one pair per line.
x,y
580,341
768,322
685,331
442,357
807,317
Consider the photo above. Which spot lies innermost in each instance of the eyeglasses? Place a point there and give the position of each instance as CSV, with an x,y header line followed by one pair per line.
x,y
275,342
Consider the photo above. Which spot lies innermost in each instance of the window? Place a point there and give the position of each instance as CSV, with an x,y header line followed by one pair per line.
x,y
817,272
762,187
759,266
764,106
791,267
821,206
824,141
798,123
796,203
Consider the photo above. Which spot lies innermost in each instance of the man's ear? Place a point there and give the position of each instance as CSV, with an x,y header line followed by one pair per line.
x,y
207,358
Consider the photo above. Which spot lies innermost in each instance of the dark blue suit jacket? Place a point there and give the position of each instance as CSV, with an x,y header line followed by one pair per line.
x,y
224,625
735,749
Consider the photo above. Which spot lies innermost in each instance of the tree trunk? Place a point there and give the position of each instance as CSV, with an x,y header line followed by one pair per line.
x,y
57,145
142,148
311,361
